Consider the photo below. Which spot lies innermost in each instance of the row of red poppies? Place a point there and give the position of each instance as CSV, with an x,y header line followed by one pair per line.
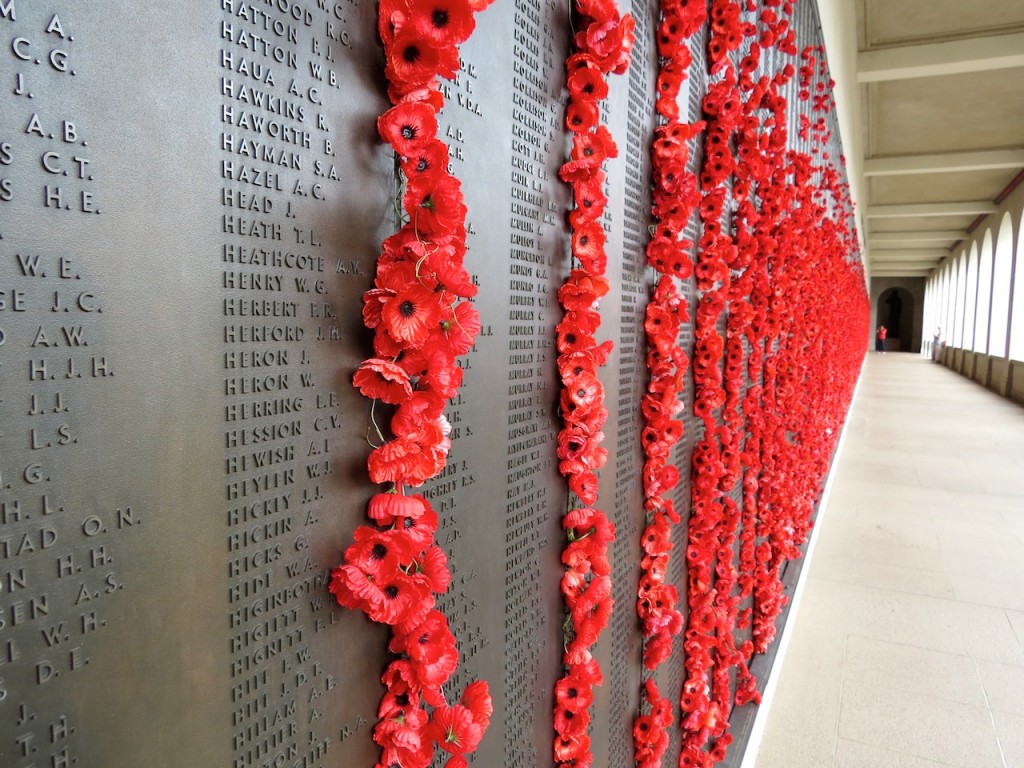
x,y
769,213
601,47
674,197
774,260
422,319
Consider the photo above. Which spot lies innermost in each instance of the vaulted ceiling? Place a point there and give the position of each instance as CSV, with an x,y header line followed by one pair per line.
x,y
942,104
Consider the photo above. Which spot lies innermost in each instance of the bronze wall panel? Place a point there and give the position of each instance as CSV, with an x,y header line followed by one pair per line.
x,y
191,208
503,498
195,202
631,118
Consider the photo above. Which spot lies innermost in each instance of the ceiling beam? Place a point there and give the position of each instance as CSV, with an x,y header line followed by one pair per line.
x,y
963,208
897,254
896,239
902,269
943,163
901,274
908,264
905,275
974,54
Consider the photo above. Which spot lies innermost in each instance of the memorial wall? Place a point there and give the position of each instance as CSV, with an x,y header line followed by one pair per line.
x,y
192,202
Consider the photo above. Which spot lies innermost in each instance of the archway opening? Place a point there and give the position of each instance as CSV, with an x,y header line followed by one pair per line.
x,y
896,309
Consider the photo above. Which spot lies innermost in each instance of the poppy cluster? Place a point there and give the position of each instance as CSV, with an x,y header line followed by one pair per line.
x,y
674,196
422,319
392,573
709,640
650,730
809,390
602,46
772,381
779,293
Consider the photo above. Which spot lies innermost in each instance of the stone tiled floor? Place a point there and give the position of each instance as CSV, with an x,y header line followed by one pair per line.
x,y
907,650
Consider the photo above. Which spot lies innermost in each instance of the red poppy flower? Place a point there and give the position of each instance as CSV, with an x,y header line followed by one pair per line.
x,y
574,580
572,338
667,104
435,206
594,146
350,587
571,444
656,537
396,704
391,14
428,93
378,553
571,749
589,196
581,290
657,649
709,271
587,631
442,377
667,148
423,408
653,443
450,275
398,678
584,485
581,115
426,159
477,699
388,598
373,303
586,321
588,243
661,252
409,315
609,42
434,565
408,127
597,11
669,175
722,101
459,328
400,255
574,692
387,508
414,457
412,61
455,730
586,521
586,82
569,723
589,359
660,324
426,642
593,602
645,730
380,380
404,734
401,461
581,395
420,530
445,22
656,609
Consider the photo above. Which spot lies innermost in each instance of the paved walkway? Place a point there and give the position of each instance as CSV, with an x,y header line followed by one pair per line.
x,y
907,650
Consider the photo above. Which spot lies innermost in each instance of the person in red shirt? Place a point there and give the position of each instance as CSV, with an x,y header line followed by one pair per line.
x,y
880,339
